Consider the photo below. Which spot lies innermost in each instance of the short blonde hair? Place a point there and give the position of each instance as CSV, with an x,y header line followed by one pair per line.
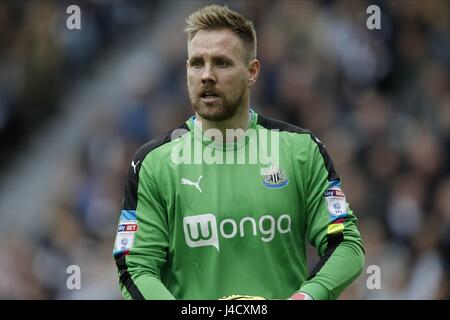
x,y
216,17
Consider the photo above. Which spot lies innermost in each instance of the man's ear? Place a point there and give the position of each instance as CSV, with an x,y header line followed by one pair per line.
x,y
253,71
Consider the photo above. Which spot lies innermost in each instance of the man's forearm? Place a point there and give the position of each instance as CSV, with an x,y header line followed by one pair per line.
x,y
149,287
343,266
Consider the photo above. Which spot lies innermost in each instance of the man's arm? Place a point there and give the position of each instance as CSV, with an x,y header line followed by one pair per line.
x,y
331,228
142,239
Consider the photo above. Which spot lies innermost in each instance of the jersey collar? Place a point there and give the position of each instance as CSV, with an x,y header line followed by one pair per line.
x,y
207,141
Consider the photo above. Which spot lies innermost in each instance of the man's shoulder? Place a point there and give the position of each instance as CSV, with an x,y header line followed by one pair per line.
x,y
305,135
313,141
275,124
160,141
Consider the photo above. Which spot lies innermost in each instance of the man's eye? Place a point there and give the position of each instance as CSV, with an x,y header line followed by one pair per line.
x,y
222,64
196,64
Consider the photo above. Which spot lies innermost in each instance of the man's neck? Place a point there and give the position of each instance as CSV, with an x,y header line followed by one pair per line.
x,y
240,120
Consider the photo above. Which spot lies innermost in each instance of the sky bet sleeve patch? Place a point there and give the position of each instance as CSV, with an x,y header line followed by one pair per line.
x,y
336,202
125,237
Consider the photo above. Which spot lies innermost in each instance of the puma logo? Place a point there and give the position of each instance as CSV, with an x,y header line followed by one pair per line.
x,y
190,183
134,165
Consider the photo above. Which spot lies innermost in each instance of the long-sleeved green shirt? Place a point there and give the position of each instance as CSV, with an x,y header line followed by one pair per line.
x,y
202,220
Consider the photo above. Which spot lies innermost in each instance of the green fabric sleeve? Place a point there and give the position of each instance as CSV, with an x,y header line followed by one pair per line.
x,y
335,235
344,266
149,251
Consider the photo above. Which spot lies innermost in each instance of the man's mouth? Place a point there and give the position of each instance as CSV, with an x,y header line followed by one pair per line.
x,y
209,97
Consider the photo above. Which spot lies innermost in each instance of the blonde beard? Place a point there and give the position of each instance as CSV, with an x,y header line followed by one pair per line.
x,y
221,112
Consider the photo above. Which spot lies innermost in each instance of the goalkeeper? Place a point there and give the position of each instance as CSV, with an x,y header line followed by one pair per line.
x,y
211,226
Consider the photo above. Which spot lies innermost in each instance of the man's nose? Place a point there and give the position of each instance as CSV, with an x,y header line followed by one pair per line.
x,y
208,74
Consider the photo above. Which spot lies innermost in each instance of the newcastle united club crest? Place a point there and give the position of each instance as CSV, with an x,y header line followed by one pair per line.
x,y
274,177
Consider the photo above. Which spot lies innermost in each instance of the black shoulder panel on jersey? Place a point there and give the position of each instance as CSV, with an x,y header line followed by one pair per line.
x,y
131,185
273,124
161,140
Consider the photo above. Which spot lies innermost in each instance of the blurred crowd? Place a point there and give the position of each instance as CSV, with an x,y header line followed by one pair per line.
x,y
40,58
378,99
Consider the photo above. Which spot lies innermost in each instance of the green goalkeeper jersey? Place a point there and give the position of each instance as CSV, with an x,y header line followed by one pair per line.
x,y
201,220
